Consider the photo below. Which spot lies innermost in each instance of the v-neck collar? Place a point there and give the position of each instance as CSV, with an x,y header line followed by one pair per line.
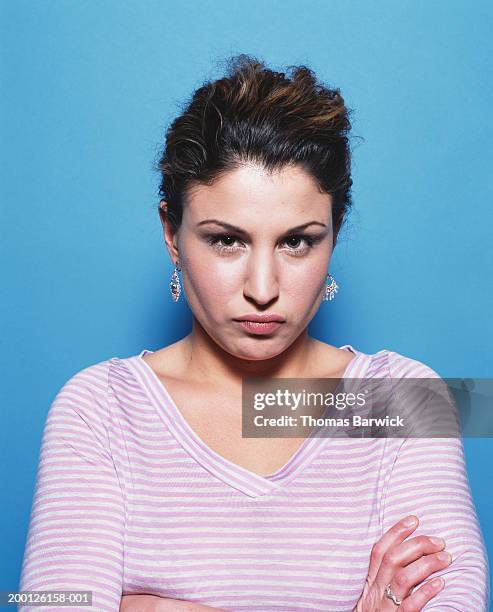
x,y
242,479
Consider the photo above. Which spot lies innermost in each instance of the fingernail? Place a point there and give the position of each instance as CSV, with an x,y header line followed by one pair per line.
x,y
437,541
410,521
436,582
444,556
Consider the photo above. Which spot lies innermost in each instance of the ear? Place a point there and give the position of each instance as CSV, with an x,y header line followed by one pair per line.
x,y
170,238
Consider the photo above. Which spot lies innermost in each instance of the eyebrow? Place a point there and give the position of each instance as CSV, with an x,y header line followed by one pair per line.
x,y
234,228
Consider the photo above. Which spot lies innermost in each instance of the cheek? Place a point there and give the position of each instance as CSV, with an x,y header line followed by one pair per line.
x,y
305,282
212,280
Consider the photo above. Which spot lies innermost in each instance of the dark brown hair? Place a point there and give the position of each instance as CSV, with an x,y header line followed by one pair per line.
x,y
257,115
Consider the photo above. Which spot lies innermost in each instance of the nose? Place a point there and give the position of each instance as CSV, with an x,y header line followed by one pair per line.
x,y
261,282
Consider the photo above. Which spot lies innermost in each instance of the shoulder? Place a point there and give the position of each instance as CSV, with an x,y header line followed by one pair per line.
x,y
90,379
84,396
421,397
402,366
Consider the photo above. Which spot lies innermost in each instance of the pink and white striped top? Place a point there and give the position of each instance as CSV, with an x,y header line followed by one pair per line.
x,y
130,500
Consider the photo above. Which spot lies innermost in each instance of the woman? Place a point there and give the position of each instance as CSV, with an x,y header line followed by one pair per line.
x,y
148,495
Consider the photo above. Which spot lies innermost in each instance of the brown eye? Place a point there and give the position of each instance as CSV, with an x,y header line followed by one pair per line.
x,y
296,239
223,242
300,248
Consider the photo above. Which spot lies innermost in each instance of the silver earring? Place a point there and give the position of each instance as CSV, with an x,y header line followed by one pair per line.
x,y
175,286
330,288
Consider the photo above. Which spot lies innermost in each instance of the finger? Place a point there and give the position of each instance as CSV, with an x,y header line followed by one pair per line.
x,y
417,601
395,535
409,563
406,579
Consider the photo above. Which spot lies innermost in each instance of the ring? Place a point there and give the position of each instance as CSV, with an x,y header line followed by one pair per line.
x,y
390,595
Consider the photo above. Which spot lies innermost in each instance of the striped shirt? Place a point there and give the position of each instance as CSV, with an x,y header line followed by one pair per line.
x,y
129,500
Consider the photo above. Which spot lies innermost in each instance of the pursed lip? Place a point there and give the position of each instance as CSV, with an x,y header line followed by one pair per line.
x,y
261,318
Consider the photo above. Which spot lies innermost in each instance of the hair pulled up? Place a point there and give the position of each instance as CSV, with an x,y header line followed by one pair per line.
x,y
257,115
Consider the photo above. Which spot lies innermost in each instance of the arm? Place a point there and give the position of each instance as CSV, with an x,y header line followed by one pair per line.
x,y
76,531
429,479
154,603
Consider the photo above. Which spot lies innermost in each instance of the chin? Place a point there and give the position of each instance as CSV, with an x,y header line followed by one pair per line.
x,y
259,353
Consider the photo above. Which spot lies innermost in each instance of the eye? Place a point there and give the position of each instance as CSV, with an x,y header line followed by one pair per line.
x,y
217,241
307,240
297,250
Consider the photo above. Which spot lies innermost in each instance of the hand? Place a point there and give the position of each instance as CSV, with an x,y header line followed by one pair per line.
x,y
154,603
403,565
138,603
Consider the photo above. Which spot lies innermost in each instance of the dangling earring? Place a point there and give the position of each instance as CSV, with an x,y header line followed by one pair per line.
x,y
330,288
175,286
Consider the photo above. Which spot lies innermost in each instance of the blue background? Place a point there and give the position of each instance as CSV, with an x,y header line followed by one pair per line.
x,y
88,89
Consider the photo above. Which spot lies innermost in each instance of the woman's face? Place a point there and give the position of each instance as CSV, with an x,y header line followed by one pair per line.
x,y
262,265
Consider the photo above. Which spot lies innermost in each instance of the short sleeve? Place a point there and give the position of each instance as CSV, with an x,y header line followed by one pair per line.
x,y
429,479
76,532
